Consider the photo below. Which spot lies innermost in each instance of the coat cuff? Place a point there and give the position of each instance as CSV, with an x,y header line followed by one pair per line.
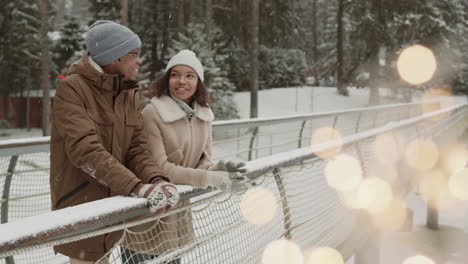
x,y
157,178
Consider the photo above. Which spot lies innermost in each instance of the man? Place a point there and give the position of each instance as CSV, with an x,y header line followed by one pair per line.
x,y
98,147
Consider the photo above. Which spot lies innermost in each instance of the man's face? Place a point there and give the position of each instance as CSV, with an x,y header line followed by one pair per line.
x,y
128,65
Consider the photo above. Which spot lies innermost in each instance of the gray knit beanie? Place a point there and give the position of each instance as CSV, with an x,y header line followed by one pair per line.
x,y
108,41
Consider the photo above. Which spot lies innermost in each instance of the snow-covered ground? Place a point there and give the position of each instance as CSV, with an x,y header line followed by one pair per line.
x,y
272,102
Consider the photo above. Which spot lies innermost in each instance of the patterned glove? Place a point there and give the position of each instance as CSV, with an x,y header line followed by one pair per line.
x,y
161,196
230,166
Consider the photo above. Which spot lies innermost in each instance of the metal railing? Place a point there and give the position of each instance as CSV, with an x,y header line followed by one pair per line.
x,y
296,196
15,149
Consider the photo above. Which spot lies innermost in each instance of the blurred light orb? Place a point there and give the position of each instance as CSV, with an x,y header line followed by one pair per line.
x,y
323,135
258,206
436,99
456,159
416,64
386,172
432,186
421,154
343,173
349,199
386,148
282,252
374,195
393,218
324,255
458,184
419,259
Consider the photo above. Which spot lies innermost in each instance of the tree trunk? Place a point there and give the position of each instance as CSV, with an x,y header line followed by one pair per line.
x,y
315,43
188,11
209,22
124,12
339,50
165,31
253,52
44,83
180,15
5,54
377,46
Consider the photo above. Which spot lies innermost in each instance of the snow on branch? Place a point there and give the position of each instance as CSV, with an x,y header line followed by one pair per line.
x,y
27,16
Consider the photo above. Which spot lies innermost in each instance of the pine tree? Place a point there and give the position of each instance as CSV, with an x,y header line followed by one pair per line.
x,y
69,46
19,46
19,49
105,9
194,37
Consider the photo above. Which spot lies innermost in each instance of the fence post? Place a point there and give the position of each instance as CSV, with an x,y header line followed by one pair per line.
x,y
299,145
238,143
6,197
375,119
370,251
358,122
335,120
432,221
284,203
252,139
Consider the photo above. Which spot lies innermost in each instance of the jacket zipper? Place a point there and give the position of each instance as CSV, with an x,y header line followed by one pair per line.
x,y
70,194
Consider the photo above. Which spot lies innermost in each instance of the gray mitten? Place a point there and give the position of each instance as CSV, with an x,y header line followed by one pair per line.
x,y
230,166
227,181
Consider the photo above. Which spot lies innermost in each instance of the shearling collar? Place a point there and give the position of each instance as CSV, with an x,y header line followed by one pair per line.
x,y
170,111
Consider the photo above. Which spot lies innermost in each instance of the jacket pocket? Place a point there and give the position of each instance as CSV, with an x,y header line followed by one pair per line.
x,y
175,157
131,119
104,124
101,118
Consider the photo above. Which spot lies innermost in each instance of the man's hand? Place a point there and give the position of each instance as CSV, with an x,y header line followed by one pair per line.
x,y
229,166
161,195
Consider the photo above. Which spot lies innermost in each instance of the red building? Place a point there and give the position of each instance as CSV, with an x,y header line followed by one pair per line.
x,y
17,113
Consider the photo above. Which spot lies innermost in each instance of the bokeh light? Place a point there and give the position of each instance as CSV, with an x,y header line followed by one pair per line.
x,y
349,199
456,159
458,184
386,146
393,218
324,255
384,171
374,195
416,64
343,173
419,259
421,154
432,186
323,135
258,206
282,252
436,99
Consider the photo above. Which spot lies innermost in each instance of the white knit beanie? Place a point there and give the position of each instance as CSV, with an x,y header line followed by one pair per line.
x,y
108,41
188,58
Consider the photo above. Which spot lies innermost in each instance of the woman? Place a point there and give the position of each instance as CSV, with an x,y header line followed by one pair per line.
x,y
178,123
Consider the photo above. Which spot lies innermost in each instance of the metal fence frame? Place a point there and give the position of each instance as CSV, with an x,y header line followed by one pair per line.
x,y
16,148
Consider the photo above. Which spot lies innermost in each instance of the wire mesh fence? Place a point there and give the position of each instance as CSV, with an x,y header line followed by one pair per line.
x,y
215,229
